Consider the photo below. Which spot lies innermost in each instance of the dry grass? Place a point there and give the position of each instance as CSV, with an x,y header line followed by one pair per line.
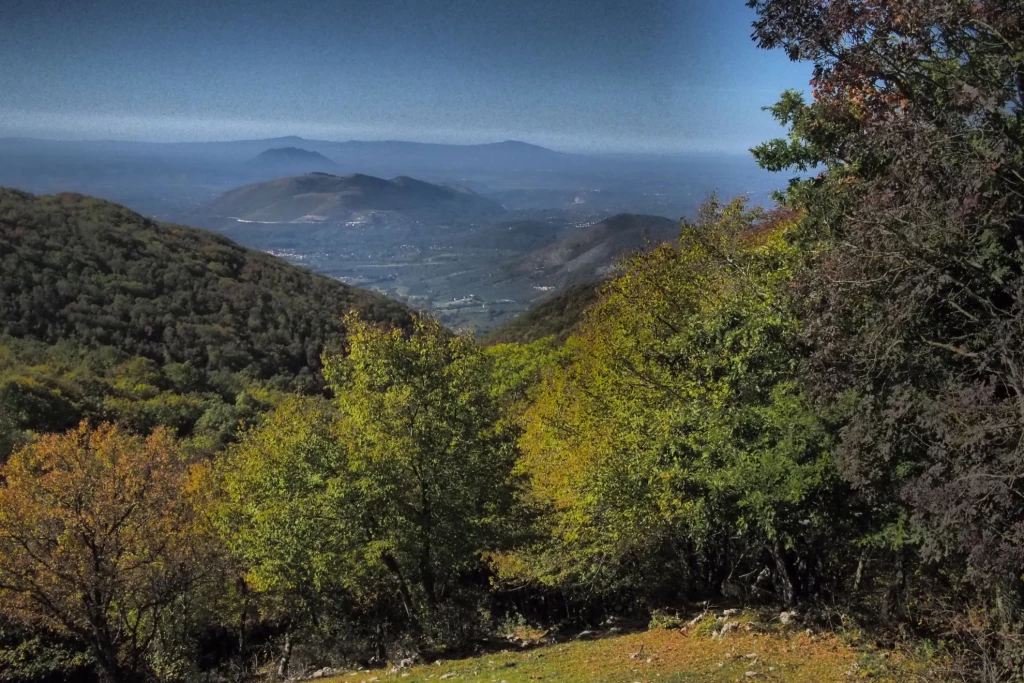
x,y
673,656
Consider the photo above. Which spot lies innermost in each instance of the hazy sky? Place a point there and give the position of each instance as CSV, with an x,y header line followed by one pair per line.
x,y
616,75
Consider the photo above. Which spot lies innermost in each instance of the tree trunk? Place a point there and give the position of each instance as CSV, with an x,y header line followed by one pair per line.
x,y
108,664
107,672
891,598
286,654
381,647
403,590
783,583
860,570
427,577
426,568
243,618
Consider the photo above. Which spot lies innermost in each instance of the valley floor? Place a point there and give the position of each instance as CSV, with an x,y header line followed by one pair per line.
x,y
674,656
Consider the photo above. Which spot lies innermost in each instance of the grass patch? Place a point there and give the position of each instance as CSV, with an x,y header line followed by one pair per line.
x,y
673,656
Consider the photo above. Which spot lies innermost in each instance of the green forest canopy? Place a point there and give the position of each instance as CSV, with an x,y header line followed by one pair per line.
x,y
110,315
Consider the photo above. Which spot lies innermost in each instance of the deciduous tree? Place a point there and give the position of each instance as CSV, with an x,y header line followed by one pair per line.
x,y
429,455
676,447
97,541
914,299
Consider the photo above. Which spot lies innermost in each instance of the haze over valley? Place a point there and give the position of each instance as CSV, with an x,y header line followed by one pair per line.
x,y
474,233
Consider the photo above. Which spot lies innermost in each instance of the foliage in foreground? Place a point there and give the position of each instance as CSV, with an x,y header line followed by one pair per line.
x,y
676,451
98,542
372,514
912,301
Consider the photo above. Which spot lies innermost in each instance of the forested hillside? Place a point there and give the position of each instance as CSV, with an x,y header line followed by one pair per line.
x,y
108,314
589,252
556,317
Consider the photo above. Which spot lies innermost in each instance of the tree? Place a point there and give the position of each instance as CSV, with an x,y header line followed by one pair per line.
x,y
913,299
9,432
430,459
676,448
372,515
97,541
286,510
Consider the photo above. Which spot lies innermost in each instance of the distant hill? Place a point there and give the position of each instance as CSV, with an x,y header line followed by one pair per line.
x,y
510,154
322,196
292,160
574,266
590,252
405,154
554,258
558,316
107,314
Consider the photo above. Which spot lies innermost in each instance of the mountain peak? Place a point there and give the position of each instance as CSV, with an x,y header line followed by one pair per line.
x,y
525,146
290,153
280,160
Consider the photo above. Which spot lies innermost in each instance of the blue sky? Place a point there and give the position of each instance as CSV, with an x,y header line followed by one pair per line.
x,y
577,75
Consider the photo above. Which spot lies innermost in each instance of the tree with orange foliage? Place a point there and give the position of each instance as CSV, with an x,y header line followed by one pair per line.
x,y
97,541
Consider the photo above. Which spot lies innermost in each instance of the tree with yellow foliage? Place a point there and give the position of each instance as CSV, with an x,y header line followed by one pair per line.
x,y
676,450
97,541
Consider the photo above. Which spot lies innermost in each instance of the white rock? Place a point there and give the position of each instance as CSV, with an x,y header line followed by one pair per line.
x,y
727,627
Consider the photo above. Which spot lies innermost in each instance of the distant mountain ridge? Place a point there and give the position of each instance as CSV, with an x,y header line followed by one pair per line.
x,y
348,153
322,196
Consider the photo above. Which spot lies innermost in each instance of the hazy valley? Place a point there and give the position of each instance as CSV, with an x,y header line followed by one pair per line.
x,y
475,233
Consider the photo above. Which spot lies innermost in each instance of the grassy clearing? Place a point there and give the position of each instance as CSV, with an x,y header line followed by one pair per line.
x,y
673,656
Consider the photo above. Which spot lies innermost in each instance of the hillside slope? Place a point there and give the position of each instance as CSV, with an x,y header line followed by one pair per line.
x,y
579,255
591,251
74,268
108,315
556,317
321,196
